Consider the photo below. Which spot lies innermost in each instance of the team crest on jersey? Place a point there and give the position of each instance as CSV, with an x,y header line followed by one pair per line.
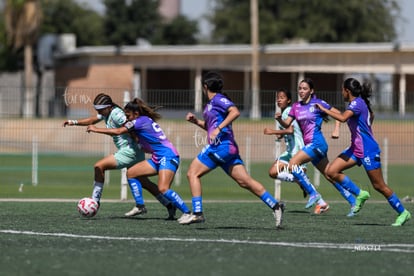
x,y
209,106
312,108
353,103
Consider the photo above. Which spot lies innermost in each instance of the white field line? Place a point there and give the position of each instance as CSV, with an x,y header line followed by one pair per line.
x,y
359,247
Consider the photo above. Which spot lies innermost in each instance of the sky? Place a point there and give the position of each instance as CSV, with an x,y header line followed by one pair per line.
x,y
195,9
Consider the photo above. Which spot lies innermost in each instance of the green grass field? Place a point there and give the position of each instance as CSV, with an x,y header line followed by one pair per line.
x,y
41,232
49,238
67,176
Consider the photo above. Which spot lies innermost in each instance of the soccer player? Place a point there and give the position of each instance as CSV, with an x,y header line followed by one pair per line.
x,y
310,121
127,155
364,149
165,159
222,151
294,143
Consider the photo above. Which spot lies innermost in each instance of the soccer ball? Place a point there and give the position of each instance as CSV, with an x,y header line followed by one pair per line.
x,y
88,207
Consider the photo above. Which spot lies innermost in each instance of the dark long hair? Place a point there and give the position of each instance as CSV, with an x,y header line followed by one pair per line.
x,y
309,81
357,90
104,99
138,105
214,82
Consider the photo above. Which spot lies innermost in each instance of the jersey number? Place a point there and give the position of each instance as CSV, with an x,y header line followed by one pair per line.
x,y
158,129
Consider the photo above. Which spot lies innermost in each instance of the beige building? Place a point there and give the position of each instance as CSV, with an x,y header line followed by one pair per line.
x,y
147,68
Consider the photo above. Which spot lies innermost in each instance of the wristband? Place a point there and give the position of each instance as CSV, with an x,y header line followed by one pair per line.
x,y
73,122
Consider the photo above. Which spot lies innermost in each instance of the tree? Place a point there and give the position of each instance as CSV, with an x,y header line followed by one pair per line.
x,y
129,20
311,20
22,20
9,59
180,31
126,21
69,17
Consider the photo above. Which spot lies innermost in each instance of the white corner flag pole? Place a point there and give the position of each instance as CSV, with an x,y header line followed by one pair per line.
x,y
35,161
124,180
278,186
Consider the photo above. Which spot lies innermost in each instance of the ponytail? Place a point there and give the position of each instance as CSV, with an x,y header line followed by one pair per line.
x,y
366,93
138,105
357,90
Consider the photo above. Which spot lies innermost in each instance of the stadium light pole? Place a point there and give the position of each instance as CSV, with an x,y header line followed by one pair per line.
x,y
254,25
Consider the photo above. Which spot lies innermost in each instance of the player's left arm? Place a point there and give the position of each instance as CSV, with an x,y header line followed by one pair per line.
x,y
107,131
232,114
336,114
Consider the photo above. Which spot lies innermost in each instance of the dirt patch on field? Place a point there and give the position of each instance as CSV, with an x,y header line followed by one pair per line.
x,y
19,136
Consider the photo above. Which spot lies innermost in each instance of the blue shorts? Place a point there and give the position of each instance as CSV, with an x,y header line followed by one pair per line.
x,y
370,161
219,156
166,163
317,152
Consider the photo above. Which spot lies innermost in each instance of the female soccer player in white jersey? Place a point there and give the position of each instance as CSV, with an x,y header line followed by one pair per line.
x,y
127,155
364,149
294,143
165,159
222,151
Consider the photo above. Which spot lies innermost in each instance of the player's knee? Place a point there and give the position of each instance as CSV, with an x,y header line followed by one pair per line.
x,y
331,174
273,172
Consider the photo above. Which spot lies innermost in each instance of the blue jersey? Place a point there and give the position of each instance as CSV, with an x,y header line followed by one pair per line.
x,y
152,138
362,138
214,114
310,119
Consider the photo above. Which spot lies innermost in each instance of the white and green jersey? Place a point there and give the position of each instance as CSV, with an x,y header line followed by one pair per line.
x,y
294,142
117,119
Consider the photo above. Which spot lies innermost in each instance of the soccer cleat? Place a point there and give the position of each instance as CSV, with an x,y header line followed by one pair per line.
x,y
137,210
278,214
351,213
360,200
191,218
319,209
171,211
402,218
312,200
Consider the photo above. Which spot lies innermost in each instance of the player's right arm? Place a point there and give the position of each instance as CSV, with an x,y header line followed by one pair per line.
x,y
81,122
193,119
127,127
269,131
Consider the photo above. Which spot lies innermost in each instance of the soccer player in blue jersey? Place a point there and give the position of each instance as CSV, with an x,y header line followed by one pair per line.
x,y
310,119
364,149
164,162
294,143
221,151
128,154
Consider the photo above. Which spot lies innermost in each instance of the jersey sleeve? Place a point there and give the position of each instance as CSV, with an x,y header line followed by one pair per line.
x,y
292,111
130,125
354,107
325,104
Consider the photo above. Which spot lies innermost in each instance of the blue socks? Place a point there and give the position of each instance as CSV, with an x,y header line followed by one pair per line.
x,y
395,202
268,199
304,181
197,204
177,201
350,186
136,190
346,194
